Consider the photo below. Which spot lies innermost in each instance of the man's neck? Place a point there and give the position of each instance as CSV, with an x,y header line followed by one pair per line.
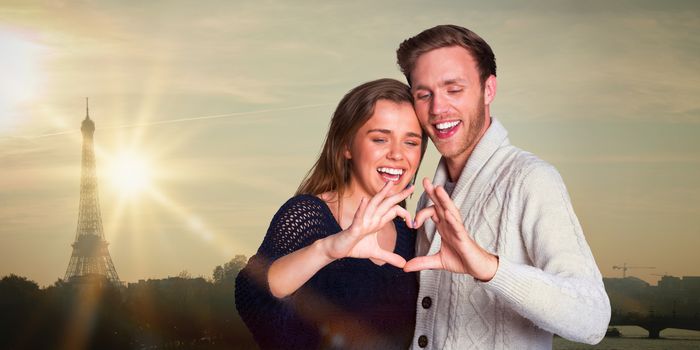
x,y
456,164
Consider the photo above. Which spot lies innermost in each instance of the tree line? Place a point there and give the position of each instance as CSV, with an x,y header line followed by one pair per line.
x,y
172,313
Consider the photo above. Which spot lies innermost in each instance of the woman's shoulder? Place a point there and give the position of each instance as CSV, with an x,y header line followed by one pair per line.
x,y
299,221
302,203
303,208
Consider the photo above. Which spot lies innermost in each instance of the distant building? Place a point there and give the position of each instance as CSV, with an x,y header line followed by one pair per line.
x,y
672,297
691,284
90,261
670,283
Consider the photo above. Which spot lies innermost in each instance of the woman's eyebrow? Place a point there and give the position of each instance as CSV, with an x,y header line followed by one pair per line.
x,y
413,134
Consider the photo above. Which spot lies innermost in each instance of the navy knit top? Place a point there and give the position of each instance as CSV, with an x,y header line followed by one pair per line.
x,y
350,303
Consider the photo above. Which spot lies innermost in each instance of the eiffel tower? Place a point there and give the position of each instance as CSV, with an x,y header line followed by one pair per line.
x,y
90,259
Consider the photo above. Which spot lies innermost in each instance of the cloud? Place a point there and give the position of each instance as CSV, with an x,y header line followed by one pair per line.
x,y
172,121
636,64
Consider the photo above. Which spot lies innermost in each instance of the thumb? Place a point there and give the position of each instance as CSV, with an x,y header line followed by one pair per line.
x,y
432,262
391,258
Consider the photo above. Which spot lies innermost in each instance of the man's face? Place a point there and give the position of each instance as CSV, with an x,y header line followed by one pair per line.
x,y
449,100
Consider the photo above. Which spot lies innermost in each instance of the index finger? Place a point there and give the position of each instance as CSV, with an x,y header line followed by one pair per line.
x,y
447,203
430,191
379,197
394,199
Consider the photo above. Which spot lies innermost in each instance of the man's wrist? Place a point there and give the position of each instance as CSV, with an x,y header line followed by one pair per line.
x,y
491,267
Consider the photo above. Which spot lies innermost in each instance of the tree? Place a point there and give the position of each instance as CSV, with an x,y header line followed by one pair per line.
x,y
218,274
228,273
18,285
233,267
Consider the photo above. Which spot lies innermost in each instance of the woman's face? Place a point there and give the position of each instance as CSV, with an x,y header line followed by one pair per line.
x,y
386,148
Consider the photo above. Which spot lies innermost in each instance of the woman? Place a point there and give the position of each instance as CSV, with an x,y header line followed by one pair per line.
x,y
329,271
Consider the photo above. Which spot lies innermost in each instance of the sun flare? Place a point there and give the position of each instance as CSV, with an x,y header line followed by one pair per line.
x,y
20,66
130,174
21,77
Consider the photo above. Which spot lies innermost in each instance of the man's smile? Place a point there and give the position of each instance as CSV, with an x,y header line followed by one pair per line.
x,y
447,128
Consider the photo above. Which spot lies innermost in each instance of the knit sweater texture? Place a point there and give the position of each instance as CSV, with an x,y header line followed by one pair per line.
x,y
515,206
350,303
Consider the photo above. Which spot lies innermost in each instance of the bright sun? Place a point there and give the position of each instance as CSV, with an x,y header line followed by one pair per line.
x,y
20,71
20,67
130,174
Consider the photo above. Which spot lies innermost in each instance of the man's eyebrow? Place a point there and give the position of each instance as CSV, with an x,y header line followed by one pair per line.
x,y
453,81
445,82
419,87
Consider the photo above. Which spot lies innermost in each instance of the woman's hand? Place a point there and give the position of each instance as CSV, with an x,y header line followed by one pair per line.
x,y
360,240
290,272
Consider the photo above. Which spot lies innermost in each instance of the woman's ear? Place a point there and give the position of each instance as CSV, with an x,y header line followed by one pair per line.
x,y
346,152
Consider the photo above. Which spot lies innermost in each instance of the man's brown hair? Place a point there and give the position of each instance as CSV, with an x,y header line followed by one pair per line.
x,y
445,36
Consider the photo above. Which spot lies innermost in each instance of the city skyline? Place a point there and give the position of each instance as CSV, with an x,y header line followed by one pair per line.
x,y
208,116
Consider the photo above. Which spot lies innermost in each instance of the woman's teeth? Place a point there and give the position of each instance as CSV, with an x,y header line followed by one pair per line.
x,y
390,174
390,171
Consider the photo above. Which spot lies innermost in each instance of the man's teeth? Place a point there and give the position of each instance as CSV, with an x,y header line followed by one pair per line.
x,y
446,125
390,171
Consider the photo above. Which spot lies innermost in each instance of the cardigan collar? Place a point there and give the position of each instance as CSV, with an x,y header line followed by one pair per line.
x,y
494,138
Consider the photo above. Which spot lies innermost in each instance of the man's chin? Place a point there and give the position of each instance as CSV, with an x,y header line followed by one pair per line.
x,y
447,150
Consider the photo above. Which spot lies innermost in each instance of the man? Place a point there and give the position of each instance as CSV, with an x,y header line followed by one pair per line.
x,y
506,262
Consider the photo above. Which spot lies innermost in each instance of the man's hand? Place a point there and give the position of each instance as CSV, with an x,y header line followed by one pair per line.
x,y
458,251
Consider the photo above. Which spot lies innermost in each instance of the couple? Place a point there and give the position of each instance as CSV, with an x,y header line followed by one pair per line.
x,y
502,258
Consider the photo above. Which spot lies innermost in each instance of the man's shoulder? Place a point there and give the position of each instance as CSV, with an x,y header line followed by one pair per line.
x,y
527,174
521,163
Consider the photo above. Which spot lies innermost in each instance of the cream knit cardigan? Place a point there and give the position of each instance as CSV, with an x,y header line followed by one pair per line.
x,y
515,206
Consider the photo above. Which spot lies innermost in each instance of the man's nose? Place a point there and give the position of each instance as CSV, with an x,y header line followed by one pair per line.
x,y
438,105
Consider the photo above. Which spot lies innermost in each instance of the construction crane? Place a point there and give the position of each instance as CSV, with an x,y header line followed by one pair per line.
x,y
624,268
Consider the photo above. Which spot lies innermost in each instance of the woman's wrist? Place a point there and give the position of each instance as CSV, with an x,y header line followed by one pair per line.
x,y
322,249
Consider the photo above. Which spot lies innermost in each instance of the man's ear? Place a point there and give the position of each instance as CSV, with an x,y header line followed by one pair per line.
x,y
490,89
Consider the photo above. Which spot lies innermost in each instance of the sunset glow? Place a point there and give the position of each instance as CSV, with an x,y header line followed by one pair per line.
x,y
20,66
208,115
130,174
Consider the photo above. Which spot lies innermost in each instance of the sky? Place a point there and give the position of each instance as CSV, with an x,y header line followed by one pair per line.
x,y
208,115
